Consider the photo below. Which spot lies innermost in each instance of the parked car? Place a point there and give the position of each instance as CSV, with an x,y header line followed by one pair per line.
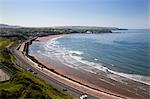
x,y
64,89
34,73
29,69
84,96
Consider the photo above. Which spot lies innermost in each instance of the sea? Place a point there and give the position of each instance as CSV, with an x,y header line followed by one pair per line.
x,y
123,52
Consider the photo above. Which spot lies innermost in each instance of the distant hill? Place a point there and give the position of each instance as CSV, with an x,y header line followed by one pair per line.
x,y
9,26
63,27
37,31
85,27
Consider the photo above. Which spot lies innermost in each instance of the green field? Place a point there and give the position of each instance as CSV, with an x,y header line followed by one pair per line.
x,y
7,42
23,84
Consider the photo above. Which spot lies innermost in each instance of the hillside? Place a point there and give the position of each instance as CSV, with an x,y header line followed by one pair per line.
x,y
24,85
8,29
9,26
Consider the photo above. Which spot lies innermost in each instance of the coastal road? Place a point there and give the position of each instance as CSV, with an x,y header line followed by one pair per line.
x,y
20,59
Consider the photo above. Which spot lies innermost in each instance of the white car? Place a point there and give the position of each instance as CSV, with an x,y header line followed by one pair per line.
x,y
84,97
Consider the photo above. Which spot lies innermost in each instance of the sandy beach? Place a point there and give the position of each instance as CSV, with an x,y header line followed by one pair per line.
x,y
100,81
46,38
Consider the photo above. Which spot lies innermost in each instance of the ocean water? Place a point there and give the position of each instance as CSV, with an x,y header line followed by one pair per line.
x,y
125,53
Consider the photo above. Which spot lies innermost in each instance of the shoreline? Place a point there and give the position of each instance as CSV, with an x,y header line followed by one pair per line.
x,y
120,89
78,83
114,72
46,38
62,71
65,80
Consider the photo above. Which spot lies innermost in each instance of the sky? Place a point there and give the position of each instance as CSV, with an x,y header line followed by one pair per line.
x,y
105,13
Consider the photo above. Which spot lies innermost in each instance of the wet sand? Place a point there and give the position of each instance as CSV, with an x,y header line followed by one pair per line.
x,y
100,80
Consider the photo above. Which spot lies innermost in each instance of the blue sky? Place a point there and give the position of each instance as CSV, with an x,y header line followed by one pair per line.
x,y
114,13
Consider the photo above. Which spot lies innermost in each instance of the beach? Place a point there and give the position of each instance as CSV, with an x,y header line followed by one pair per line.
x,y
100,81
69,82
46,38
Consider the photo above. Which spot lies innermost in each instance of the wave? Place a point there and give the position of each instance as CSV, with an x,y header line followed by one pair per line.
x,y
76,52
74,60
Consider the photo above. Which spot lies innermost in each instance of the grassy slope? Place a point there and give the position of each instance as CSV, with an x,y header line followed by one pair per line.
x,y
5,56
4,43
22,83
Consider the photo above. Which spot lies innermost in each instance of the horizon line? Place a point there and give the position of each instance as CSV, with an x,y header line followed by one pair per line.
x,y
68,26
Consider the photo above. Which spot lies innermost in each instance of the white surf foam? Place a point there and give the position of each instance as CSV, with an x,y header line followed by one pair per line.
x,y
95,59
139,78
76,52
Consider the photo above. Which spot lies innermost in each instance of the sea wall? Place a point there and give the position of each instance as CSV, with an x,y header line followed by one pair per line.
x,y
25,46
